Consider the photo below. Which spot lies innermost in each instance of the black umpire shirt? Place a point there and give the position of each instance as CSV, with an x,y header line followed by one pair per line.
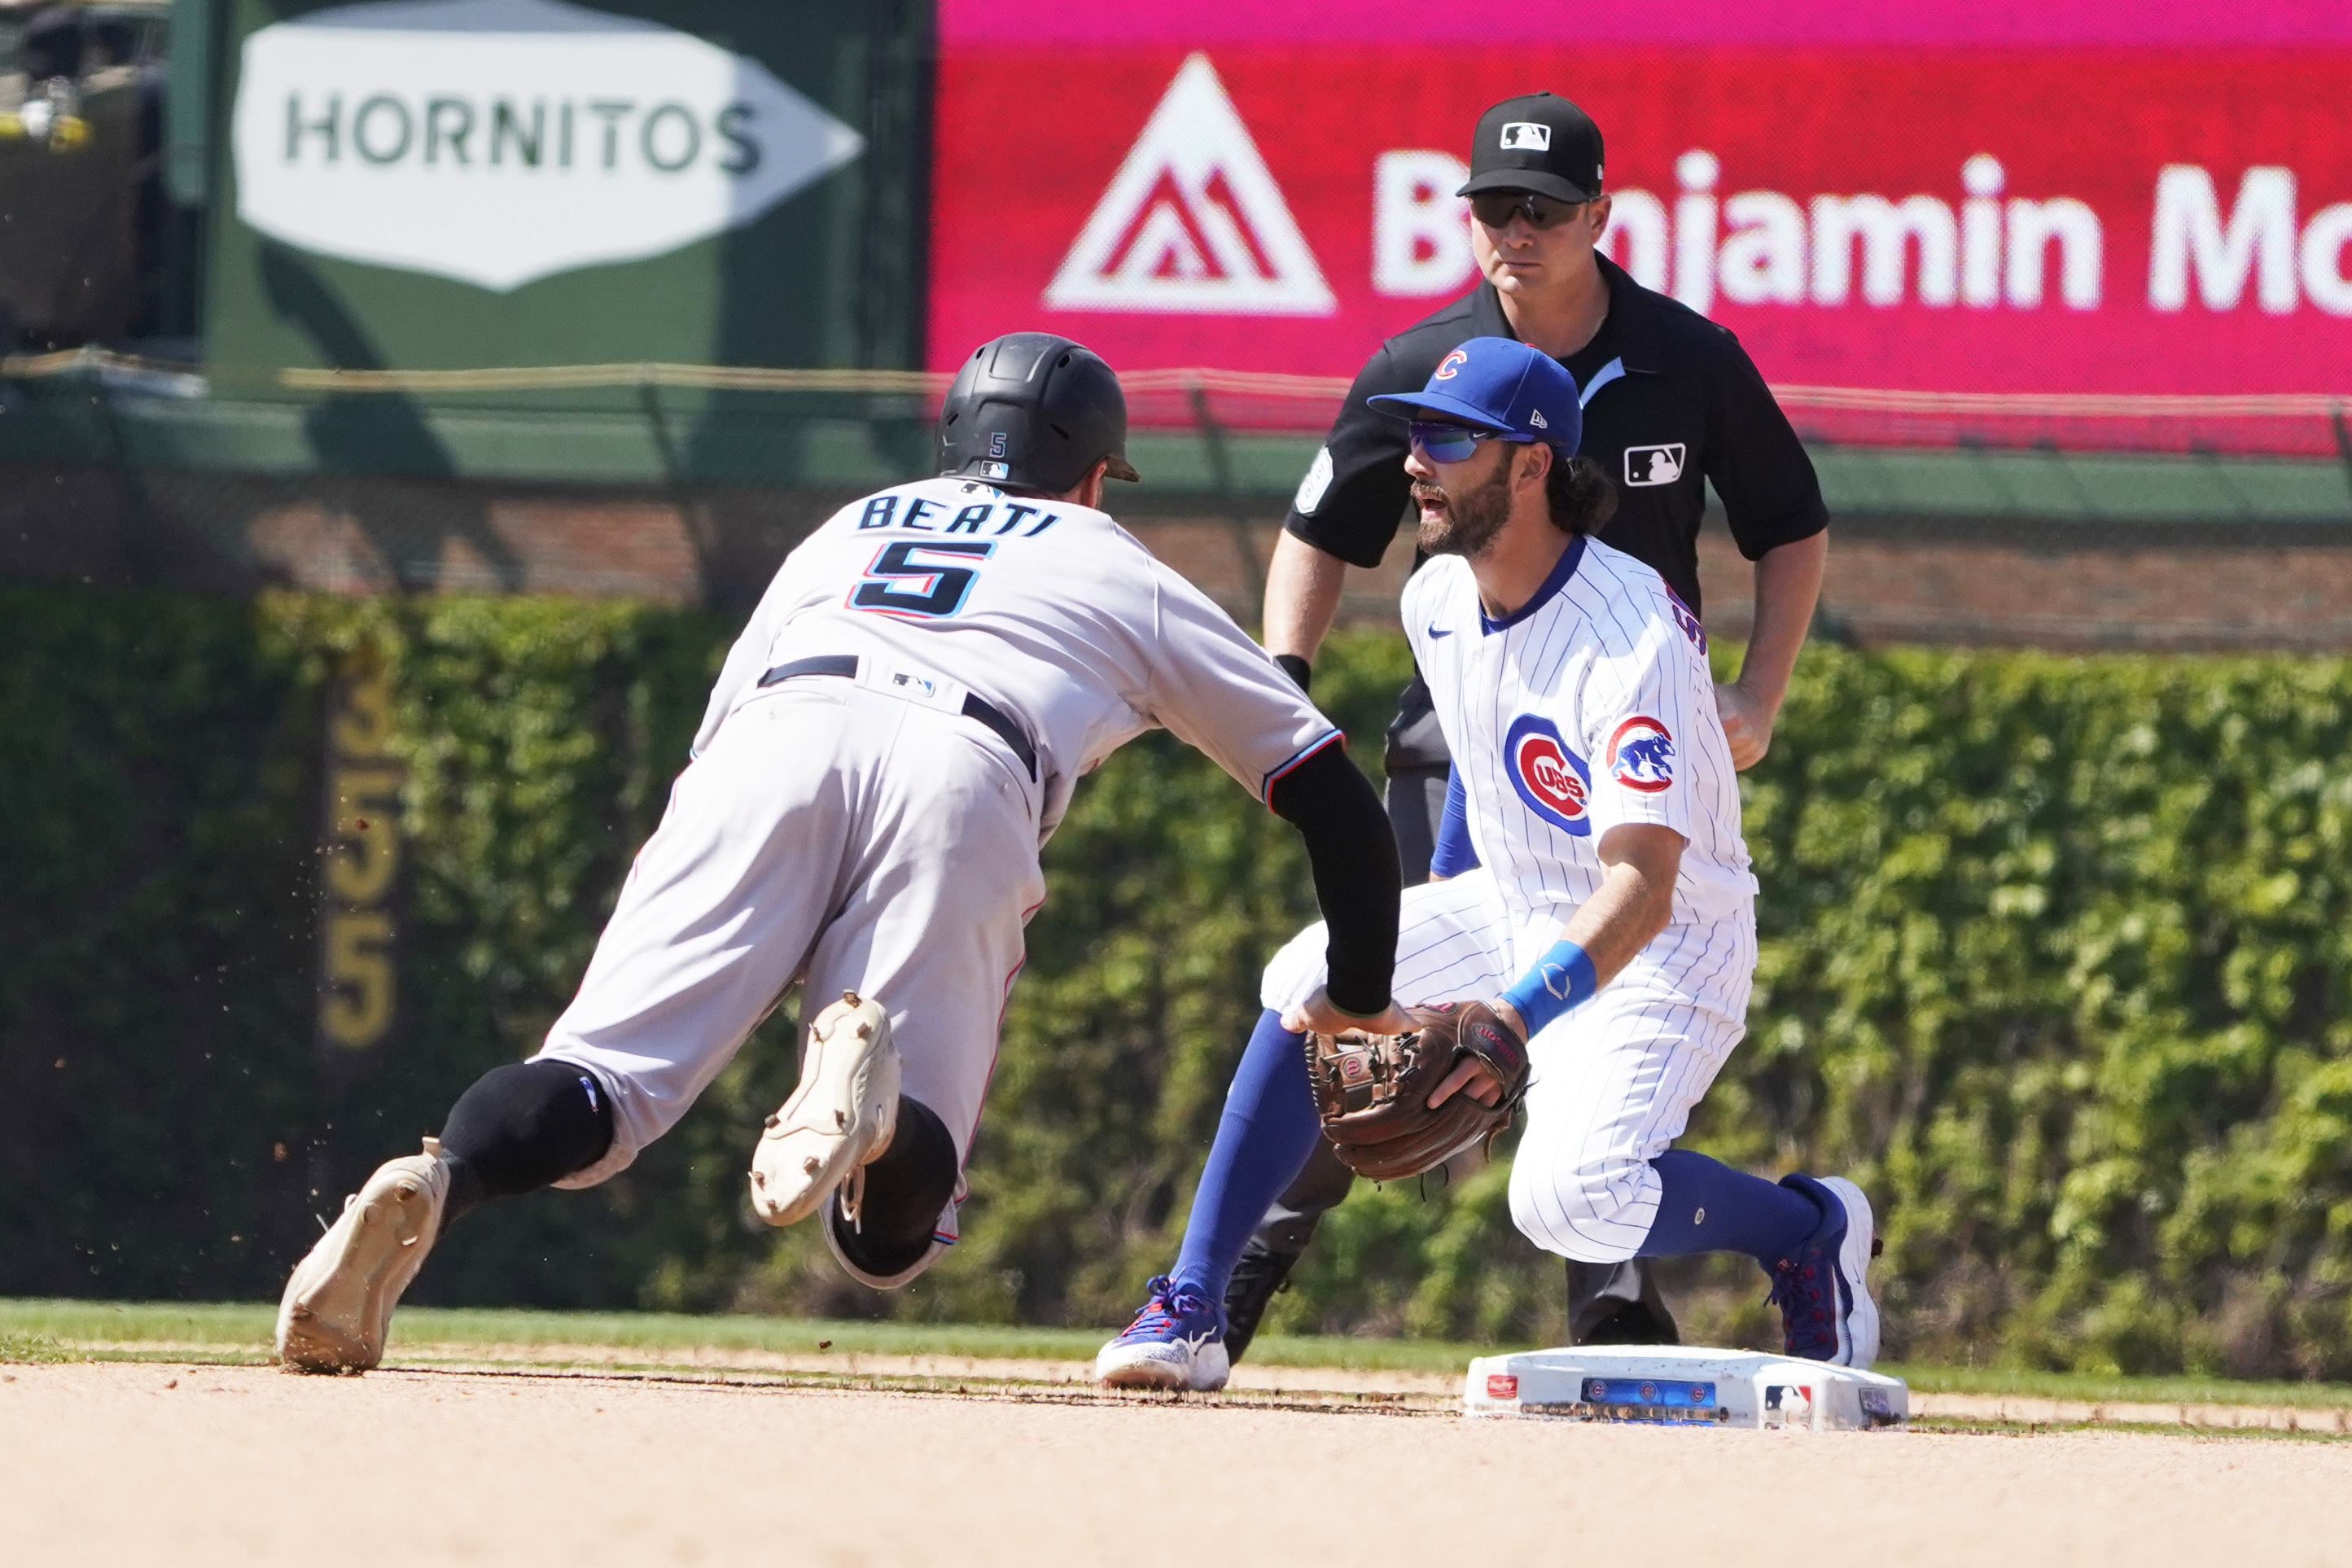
x,y
1671,402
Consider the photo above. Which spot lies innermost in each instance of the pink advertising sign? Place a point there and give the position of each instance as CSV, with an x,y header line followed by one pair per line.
x,y
1997,197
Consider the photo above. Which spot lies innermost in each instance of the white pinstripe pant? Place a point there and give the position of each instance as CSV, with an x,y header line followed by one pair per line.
x,y
1613,1080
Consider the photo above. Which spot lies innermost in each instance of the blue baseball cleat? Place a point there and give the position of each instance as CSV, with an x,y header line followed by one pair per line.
x,y
1822,1292
1177,1340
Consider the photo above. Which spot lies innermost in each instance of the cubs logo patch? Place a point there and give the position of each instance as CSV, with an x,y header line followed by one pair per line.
x,y
1642,755
1449,365
1551,779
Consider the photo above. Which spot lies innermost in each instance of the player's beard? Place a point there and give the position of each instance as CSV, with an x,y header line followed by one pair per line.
x,y
1470,519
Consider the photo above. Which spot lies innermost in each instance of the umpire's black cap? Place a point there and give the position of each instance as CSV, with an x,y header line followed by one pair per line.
x,y
1033,411
1539,142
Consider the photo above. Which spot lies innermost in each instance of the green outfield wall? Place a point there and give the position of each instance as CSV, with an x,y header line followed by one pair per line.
x,y
2053,960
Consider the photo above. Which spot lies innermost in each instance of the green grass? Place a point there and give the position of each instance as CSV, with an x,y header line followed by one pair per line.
x,y
36,1349
46,1330
2104,1388
240,1326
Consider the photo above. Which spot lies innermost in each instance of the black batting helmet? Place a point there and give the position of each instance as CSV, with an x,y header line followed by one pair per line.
x,y
1035,412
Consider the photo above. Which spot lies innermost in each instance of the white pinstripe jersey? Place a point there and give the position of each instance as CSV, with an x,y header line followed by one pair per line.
x,y
1591,705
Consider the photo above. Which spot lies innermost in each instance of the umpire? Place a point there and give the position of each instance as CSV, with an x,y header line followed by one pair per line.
x,y
1671,402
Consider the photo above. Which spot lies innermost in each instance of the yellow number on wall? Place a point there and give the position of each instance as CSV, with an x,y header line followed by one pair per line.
x,y
357,1006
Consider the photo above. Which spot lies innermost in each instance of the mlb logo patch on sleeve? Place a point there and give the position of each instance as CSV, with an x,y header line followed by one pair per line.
x,y
1661,465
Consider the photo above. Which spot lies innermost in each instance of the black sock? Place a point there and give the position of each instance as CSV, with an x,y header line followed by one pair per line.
x,y
906,1189
521,1127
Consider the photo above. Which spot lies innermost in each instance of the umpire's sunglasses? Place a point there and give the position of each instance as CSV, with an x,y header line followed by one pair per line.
x,y
1495,209
1451,443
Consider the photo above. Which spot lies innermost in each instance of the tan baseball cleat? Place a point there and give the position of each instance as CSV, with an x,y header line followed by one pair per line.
x,y
839,1118
337,1306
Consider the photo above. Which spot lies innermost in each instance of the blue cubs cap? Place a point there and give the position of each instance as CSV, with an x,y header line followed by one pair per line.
x,y
1499,385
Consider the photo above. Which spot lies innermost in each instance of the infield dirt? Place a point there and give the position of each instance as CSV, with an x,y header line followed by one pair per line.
x,y
162,1463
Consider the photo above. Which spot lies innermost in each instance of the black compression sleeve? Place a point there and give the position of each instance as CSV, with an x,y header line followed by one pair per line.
x,y
522,1126
907,1186
1353,852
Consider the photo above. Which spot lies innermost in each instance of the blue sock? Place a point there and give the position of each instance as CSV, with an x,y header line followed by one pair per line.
x,y
1707,1207
1263,1138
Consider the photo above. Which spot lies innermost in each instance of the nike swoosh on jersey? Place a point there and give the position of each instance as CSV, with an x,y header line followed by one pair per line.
x,y
1446,633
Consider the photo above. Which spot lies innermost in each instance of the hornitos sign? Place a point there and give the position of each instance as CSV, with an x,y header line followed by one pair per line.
x,y
497,141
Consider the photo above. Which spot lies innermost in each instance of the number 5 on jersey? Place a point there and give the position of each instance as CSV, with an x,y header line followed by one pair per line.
x,y
907,579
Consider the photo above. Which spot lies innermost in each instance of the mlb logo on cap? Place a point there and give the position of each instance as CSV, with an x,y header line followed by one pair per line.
x,y
1539,143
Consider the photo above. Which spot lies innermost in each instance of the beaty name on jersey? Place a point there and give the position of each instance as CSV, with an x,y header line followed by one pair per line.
x,y
921,513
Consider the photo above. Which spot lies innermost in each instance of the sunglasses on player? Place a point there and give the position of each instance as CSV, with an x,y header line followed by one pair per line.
x,y
1495,209
1452,443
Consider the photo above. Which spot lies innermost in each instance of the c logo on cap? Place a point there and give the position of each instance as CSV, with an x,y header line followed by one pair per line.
x,y
1445,366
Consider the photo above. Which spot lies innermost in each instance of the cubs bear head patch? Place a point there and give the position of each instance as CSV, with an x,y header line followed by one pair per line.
x,y
1642,755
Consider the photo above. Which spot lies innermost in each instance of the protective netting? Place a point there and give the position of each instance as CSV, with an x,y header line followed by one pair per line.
x,y
2296,425
2284,425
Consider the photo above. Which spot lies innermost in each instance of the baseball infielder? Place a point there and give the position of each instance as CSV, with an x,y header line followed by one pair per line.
x,y
890,741
1609,912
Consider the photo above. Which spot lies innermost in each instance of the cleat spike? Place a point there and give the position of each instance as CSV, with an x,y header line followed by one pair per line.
x,y
837,1117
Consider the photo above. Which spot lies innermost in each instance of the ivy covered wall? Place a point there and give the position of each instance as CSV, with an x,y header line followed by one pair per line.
x,y
2054,962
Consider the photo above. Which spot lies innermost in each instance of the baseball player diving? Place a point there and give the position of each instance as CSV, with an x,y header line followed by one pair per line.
x,y
1594,922
891,740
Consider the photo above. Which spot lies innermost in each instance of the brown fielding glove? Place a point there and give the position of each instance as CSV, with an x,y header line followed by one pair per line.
x,y
1372,1091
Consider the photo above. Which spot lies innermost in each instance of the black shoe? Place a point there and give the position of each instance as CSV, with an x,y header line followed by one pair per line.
x,y
1632,1324
1256,1278
1617,1304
